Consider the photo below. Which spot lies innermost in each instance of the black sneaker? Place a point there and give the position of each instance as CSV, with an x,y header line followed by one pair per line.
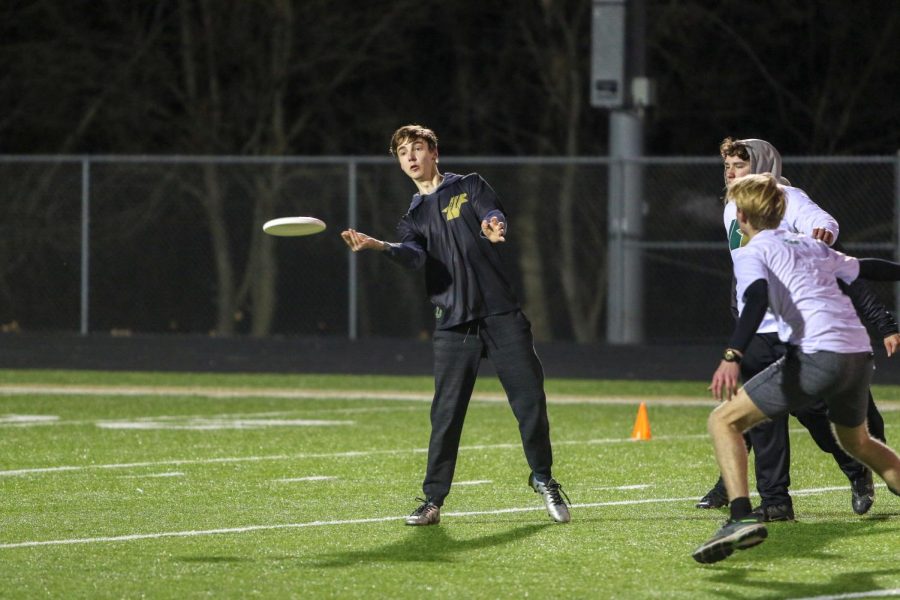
x,y
714,498
734,535
863,490
552,493
767,513
428,513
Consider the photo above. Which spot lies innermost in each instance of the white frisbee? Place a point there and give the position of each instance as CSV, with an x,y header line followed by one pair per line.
x,y
294,226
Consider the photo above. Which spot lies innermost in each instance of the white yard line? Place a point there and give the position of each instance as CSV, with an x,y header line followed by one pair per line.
x,y
211,392
22,421
254,528
27,419
236,392
153,475
301,456
217,424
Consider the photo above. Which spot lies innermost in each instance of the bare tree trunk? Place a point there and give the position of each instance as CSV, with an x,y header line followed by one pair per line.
x,y
264,277
583,288
261,276
213,200
531,259
214,205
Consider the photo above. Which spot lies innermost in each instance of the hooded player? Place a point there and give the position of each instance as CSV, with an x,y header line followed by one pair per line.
x,y
770,441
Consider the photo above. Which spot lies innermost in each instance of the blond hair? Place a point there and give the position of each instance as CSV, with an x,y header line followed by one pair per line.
x,y
761,200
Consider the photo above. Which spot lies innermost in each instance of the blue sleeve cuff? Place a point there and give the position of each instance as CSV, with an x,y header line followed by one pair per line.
x,y
500,217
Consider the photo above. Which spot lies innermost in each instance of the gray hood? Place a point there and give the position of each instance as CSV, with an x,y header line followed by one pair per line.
x,y
764,158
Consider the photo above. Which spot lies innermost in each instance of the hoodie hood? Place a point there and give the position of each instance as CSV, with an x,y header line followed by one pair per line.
x,y
764,158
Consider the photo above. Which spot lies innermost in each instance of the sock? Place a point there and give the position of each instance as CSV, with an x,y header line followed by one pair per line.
x,y
740,508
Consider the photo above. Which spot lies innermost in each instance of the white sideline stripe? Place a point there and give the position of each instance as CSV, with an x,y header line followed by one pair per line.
x,y
253,528
212,392
872,594
149,475
310,478
811,491
348,454
216,424
473,482
44,420
12,419
639,486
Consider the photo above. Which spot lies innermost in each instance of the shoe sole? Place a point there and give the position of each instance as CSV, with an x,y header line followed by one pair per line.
x,y
781,519
565,518
710,505
865,507
720,549
422,524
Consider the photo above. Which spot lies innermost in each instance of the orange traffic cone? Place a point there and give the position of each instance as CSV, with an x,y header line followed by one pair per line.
x,y
641,429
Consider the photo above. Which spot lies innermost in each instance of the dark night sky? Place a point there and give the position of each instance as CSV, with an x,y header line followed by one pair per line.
x,y
505,77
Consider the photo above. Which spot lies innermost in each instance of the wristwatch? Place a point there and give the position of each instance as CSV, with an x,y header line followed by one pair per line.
x,y
731,356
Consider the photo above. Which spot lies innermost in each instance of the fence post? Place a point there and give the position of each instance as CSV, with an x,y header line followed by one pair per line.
x,y
85,244
352,283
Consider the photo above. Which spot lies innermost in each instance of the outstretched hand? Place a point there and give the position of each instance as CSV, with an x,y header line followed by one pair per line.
x,y
360,241
494,230
724,383
891,344
820,233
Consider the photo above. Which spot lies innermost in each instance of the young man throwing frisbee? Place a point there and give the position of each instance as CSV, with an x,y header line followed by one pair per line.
x,y
451,229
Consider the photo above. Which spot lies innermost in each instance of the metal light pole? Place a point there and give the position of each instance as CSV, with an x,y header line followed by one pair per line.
x,y
619,85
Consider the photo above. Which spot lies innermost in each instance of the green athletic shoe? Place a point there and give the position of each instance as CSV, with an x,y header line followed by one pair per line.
x,y
737,534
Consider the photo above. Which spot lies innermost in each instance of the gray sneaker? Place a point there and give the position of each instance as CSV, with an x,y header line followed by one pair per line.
x,y
427,514
552,494
734,535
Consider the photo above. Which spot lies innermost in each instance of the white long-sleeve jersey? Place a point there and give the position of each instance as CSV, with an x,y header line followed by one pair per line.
x,y
801,215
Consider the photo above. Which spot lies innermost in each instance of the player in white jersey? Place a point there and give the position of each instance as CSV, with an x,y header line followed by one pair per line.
x,y
770,440
829,356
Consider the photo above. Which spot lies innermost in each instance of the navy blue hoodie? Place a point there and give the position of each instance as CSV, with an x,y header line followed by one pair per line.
x,y
464,275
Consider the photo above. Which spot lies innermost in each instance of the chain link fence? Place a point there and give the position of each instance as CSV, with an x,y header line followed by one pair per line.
x,y
174,244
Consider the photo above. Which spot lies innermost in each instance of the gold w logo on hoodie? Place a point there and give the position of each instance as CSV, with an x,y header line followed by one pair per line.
x,y
453,207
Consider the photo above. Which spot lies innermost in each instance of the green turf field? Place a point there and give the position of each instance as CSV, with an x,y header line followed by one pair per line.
x,y
133,485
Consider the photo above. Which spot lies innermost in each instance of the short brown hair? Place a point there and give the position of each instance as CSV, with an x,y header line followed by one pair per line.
x,y
733,147
760,198
412,132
